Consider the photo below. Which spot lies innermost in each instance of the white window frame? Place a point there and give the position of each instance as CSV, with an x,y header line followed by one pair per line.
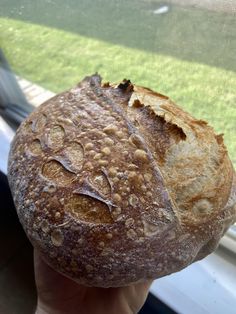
x,y
205,287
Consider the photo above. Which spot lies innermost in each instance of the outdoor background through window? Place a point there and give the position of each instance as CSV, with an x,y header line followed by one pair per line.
x,y
184,49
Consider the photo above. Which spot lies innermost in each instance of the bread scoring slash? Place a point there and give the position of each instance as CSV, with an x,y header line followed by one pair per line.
x,y
116,184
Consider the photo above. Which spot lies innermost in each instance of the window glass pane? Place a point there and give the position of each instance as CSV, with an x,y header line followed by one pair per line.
x,y
185,49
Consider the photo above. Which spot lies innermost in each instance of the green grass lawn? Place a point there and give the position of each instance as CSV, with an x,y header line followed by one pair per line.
x,y
57,59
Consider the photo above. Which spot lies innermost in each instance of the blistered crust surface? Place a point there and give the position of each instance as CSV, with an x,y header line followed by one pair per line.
x,y
116,184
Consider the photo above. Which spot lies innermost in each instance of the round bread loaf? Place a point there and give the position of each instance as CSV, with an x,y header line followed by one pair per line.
x,y
116,184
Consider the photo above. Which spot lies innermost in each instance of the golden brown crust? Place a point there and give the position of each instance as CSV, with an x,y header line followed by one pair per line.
x,y
116,184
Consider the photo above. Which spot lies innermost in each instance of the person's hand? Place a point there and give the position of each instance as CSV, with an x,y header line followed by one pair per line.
x,y
60,295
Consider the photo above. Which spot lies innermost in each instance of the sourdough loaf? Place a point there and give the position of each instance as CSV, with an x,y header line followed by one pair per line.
x,y
115,184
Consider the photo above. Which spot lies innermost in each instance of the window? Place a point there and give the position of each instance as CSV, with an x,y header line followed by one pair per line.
x,y
185,49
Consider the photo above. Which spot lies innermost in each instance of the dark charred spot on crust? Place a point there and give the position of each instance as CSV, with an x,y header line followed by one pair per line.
x,y
126,86
220,139
106,85
177,132
137,104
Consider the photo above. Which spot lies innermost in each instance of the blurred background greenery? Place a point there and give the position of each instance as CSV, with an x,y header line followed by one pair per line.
x,y
187,53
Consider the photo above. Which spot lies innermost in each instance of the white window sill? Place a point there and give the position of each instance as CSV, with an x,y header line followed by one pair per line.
x,y
207,286
6,136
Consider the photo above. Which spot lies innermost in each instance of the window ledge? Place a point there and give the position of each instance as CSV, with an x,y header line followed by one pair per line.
x,y
207,286
229,240
6,136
